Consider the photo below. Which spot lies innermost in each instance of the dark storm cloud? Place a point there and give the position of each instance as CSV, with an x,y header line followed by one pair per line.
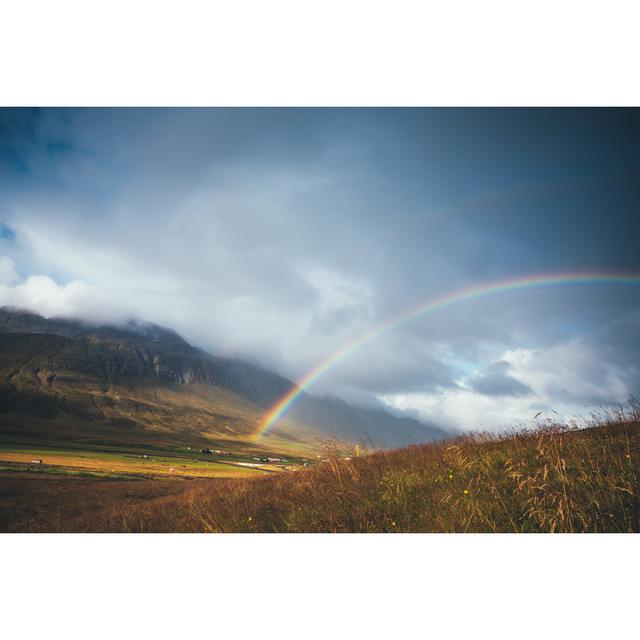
x,y
283,234
616,347
496,381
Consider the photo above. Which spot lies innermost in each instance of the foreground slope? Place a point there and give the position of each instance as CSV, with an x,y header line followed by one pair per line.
x,y
555,479
66,381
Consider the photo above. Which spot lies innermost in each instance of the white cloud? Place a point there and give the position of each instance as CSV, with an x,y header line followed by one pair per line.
x,y
8,274
41,294
342,304
462,409
571,379
573,370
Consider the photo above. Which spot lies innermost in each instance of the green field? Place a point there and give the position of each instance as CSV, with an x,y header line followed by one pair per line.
x,y
130,462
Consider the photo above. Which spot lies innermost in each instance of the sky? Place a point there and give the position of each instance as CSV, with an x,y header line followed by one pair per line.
x,y
280,235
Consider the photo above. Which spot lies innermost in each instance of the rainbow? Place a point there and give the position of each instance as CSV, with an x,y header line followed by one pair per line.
x,y
459,296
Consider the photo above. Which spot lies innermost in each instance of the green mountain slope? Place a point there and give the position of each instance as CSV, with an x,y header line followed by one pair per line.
x,y
64,380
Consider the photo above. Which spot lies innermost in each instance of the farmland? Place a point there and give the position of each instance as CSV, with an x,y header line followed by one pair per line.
x,y
137,463
553,478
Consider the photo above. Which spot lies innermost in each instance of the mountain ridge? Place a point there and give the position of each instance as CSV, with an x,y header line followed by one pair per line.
x,y
143,375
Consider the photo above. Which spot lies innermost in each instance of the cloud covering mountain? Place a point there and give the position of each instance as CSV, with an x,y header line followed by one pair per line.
x,y
280,235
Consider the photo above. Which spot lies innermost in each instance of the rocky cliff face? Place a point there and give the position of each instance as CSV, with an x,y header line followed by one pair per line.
x,y
136,353
51,368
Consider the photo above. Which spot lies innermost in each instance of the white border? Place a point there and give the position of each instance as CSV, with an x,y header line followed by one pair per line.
x,y
306,586
460,52
328,52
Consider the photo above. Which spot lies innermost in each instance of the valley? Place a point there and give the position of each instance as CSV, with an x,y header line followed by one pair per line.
x,y
555,478
130,428
128,463
66,383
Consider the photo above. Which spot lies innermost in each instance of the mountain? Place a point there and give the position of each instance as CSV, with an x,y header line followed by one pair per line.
x,y
67,380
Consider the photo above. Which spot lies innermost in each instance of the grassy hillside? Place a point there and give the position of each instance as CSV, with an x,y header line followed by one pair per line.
x,y
59,389
62,381
556,478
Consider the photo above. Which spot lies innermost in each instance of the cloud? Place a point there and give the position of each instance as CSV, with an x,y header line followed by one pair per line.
x,y
496,381
8,274
463,409
41,294
573,378
284,235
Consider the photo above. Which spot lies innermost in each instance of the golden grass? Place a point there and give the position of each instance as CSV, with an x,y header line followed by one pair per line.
x,y
556,478
121,465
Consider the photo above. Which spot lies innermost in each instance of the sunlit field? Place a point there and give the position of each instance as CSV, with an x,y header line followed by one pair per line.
x,y
551,478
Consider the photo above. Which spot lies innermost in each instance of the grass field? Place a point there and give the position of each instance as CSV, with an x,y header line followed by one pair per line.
x,y
42,503
149,463
124,465
556,478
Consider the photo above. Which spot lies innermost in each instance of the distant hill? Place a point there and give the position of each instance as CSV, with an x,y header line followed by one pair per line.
x,y
70,381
